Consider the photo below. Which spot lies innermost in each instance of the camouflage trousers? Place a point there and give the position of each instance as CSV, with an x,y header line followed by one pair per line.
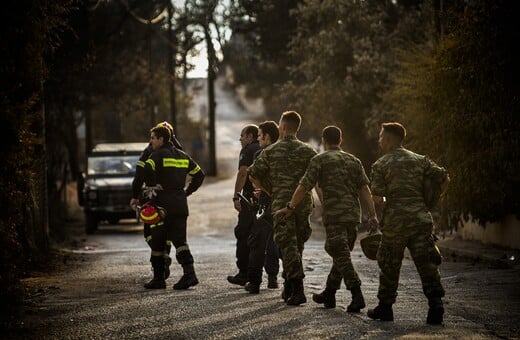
x,y
340,240
290,234
420,243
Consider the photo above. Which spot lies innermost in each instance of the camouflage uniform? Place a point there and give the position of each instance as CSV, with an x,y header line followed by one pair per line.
x,y
406,222
279,167
340,175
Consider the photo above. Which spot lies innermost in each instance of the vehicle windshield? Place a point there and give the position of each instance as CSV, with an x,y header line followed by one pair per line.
x,y
112,165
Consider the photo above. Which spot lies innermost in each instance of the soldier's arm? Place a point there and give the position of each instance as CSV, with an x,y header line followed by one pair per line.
x,y
368,201
296,198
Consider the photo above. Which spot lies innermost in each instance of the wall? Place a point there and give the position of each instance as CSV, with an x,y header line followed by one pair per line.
x,y
505,233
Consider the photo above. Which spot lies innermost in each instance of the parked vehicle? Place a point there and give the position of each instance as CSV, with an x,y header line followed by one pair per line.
x,y
105,188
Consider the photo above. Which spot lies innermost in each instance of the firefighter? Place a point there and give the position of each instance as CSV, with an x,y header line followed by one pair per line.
x,y
166,170
137,186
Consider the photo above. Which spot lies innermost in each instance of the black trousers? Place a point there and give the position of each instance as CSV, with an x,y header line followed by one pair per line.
x,y
242,230
263,252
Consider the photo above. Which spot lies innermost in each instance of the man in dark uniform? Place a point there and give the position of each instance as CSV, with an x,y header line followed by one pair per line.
x,y
137,186
263,252
168,168
406,223
277,170
342,181
248,139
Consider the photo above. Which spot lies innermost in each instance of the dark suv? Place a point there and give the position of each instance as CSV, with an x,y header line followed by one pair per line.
x,y
105,189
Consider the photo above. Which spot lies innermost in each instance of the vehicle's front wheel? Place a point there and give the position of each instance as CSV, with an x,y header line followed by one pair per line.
x,y
91,223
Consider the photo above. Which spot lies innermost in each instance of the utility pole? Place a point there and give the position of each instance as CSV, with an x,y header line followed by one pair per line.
x,y
171,69
211,101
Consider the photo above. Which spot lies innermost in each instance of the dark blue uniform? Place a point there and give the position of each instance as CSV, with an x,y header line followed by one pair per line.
x,y
245,216
169,167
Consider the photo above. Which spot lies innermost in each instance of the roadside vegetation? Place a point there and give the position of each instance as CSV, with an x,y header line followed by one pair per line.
x,y
447,69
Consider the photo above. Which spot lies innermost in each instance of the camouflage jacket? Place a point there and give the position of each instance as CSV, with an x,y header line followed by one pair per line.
x,y
280,167
340,176
398,176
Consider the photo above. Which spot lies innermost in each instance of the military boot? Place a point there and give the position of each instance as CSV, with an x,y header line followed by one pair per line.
x,y
327,298
272,281
435,312
382,312
298,295
358,302
157,282
252,288
187,280
287,290
239,279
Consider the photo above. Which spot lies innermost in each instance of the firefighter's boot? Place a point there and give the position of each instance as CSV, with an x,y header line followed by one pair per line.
x,y
187,280
327,298
158,281
383,312
435,312
358,302
167,263
298,295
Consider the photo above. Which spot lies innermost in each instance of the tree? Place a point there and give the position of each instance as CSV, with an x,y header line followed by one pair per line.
x,y
459,99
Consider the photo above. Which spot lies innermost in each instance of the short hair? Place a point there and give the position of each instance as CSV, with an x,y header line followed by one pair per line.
x,y
251,129
395,129
293,120
332,135
269,127
162,131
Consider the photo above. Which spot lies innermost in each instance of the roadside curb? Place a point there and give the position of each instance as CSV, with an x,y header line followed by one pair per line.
x,y
474,251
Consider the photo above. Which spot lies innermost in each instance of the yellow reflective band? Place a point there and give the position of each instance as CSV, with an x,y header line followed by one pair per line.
x,y
140,163
194,171
158,224
175,163
151,162
149,218
148,238
182,248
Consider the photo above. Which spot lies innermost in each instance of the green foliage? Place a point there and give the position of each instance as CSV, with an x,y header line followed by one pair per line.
x,y
460,103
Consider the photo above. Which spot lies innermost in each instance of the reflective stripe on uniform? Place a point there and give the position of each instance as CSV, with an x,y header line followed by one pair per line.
x,y
140,164
182,248
175,163
151,162
194,171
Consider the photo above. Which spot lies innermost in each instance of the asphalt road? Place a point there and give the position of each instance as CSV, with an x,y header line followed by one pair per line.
x,y
97,292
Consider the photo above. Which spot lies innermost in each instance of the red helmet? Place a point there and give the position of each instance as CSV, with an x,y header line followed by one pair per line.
x,y
149,214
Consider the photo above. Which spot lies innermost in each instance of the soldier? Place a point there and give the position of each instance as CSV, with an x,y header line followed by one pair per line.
x,y
263,252
406,223
248,139
277,170
342,180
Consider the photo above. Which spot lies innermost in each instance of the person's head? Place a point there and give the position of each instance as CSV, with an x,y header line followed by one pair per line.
x,y
159,135
331,136
166,125
268,133
391,135
290,122
249,134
